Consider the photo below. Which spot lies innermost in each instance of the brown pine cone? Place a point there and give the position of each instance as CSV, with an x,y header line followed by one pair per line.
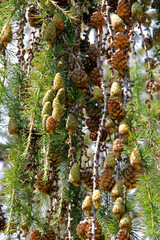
x,y
113,5
82,229
123,235
98,231
94,135
84,45
95,77
88,64
63,3
35,235
117,148
44,186
92,124
93,110
2,224
123,10
54,158
131,177
86,177
115,109
120,41
97,20
92,52
79,78
106,180
119,61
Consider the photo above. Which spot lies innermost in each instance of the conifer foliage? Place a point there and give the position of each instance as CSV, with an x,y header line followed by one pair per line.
x,y
81,90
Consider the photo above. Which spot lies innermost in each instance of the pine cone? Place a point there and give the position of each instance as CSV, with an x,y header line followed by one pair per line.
x,y
44,186
93,110
63,3
49,235
109,125
97,20
94,135
110,161
79,78
123,10
118,207
119,61
115,109
135,158
87,204
156,35
6,36
117,148
82,229
50,33
115,90
44,120
117,23
97,198
106,180
58,110
131,177
84,45
125,222
54,158
71,123
35,235
2,224
120,41
58,82
13,127
88,64
48,97
148,42
98,231
92,52
124,131
51,124
86,177
92,124
74,175
113,5
122,235
58,23
98,94
137,11
47,108
95,77
117,190
61,96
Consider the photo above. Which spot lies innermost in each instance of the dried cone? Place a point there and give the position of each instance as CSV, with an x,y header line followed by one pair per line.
x,y
120,41
34,17
47,109
117,190
110,161
71,123
50,33
148,42
35,235
82,229
156,35
88,63
97,198
97,20
94,135
118,208
61,96
92,124
137,11
106,180
6,36
124,131
86,177
119,61
109,125
58,23
93,110
131,177
123,235
74,175
98,230
117,147
79,78
44,120
48,97
135,158
115,90
125,222
117,23
84,45
113,5
92,52
87,204
51,125
54,159
115,109
123,10
44,186
98,94
95,77
13,127
58,82
49,235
